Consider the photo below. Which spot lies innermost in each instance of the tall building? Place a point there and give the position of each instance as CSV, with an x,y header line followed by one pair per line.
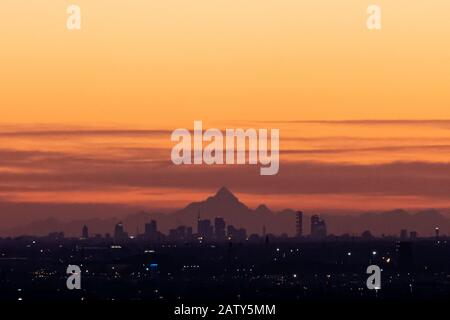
x,y
151,229
151,232
403,234
177,234
299,224
204,229
189,233
85,232
436,230
318,227
219,229
234,234
119,232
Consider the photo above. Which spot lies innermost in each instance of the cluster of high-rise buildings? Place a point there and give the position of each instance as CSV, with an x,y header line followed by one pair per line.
x,y
219,231
208,230
318,226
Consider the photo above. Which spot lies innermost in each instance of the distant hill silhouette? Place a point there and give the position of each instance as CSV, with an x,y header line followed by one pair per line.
x,y
226,205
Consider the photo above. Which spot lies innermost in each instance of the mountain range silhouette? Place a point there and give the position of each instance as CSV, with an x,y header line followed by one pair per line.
x,y
226,205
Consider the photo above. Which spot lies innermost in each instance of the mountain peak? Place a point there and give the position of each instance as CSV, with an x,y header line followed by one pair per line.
x,y
224,193
262,208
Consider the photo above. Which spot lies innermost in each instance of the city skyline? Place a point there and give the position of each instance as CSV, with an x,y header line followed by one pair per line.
x,y
221,232
226,213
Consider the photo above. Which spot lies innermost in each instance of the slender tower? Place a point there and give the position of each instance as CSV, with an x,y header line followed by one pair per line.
x,y
299,224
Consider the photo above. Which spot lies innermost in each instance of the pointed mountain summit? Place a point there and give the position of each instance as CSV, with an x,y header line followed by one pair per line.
x,y
223,200
222,204
225,195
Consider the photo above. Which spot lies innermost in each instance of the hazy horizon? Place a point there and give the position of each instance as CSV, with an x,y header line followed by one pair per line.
x,y
34,218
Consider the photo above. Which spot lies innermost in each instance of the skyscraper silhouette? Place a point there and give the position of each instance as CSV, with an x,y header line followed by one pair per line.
x,y
204,229
318,227
85,232
151,229
219,229
299,224
119,232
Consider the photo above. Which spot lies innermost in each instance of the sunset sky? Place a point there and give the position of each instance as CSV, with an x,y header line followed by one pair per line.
x,y
86,116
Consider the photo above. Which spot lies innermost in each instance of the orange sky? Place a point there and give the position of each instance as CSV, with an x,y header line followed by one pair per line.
x,y
160,65
165,62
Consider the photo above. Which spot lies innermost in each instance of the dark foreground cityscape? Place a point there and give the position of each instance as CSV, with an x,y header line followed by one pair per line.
x,y
222,263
